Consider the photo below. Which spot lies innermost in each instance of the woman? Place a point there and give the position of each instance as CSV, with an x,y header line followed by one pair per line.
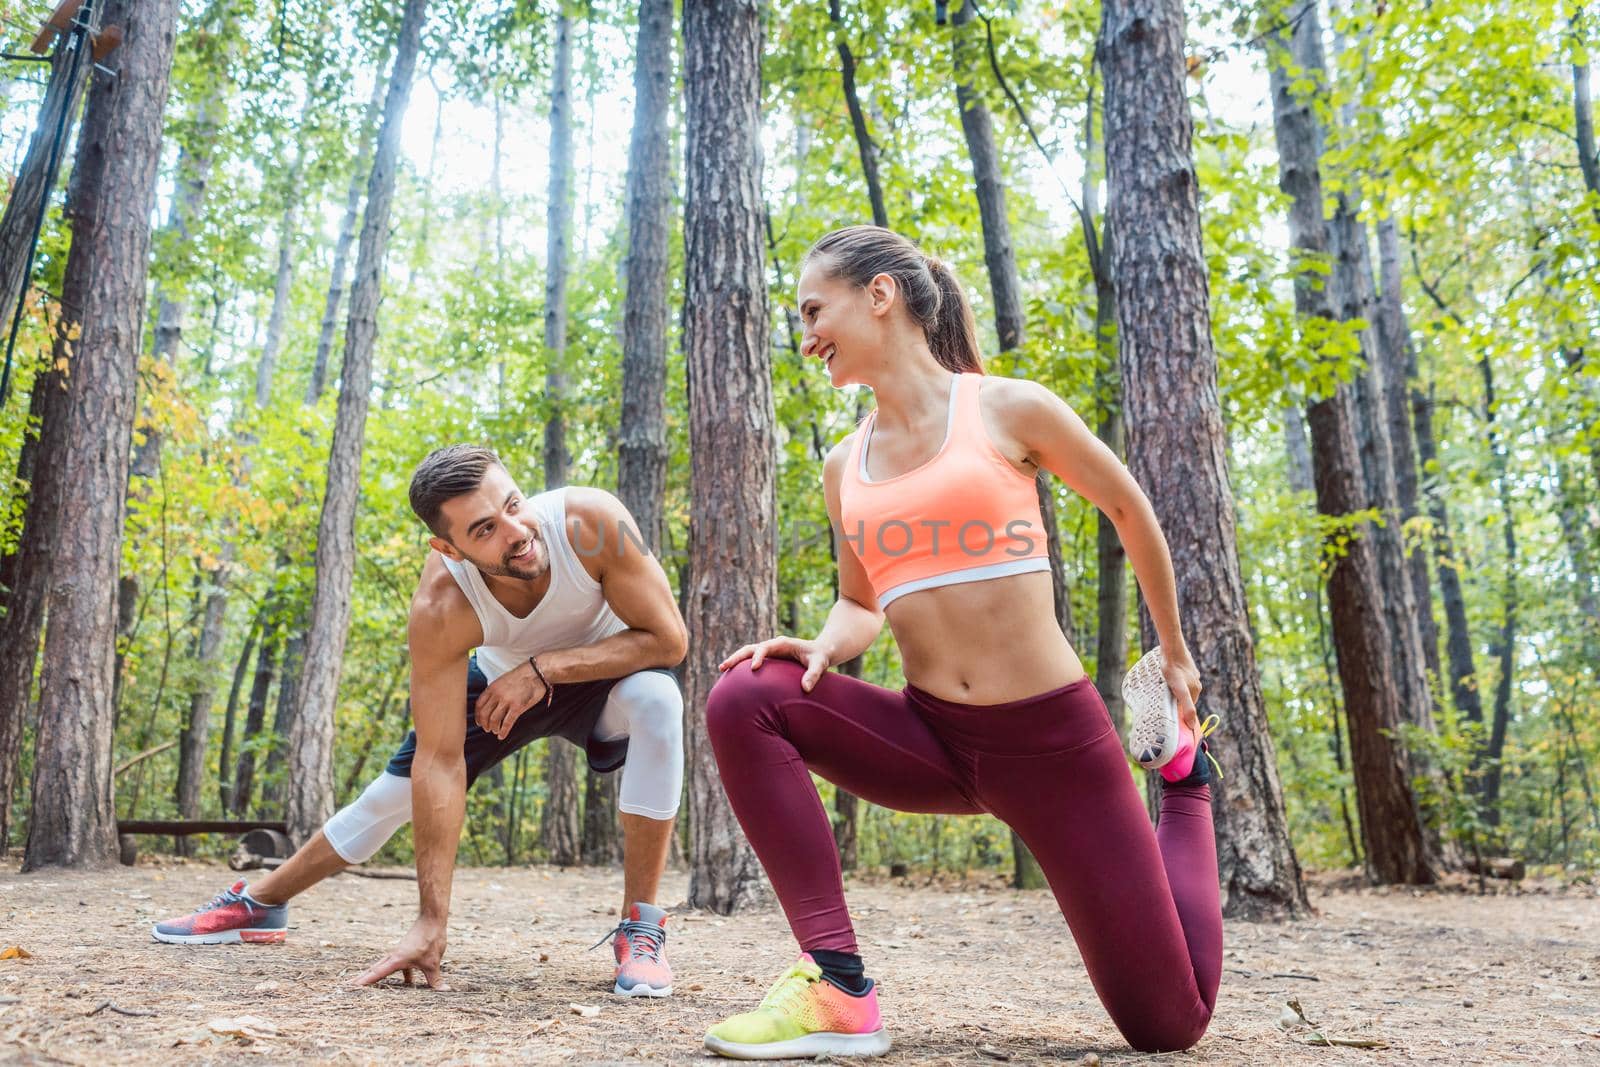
x,y
934,503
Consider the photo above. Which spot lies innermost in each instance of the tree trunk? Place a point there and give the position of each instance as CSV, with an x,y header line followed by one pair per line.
x,y
602,844
1399,380
733,527
230,719
1355,296
978,127
642,447
1176,440
560,828
865,146
1504,647
558,239
1458,635
283,282
1298,450
255,713
197,729
347,232
73,822
642,444
69,71
1583,114
1397,844
310,792
1111,578
26,574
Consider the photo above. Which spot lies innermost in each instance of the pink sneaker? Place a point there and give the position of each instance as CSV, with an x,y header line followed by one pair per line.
x,y
233,915
639,942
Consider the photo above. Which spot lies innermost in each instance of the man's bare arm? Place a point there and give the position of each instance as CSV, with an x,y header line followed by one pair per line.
x,y
441,637
609,546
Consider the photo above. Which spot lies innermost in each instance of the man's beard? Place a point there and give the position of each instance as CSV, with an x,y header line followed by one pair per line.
x,y
528,572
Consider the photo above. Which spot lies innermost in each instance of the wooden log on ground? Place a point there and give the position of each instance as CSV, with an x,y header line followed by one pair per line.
x,y
270,843
182,827
1508,867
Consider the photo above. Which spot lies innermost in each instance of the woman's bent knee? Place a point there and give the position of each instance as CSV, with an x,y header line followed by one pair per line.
x,y
742,694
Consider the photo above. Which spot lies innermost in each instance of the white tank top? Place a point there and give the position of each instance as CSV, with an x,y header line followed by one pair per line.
x,y
573,611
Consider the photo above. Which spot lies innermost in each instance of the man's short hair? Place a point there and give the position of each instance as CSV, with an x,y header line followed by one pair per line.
x,y
447,473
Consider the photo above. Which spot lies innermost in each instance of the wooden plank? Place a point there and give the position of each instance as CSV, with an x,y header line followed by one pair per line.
x,y
182,827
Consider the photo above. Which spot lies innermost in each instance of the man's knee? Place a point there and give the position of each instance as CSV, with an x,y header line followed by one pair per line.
x,y
359,829
655,711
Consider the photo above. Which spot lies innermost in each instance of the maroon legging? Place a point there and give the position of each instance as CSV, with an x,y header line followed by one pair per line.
x,y
1142,904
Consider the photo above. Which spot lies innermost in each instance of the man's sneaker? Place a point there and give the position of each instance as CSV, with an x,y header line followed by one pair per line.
x,y
640,943
804,1015
232,916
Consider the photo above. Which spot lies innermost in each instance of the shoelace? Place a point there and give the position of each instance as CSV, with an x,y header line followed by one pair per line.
x,y
644,938
223,899
794,983
1206,729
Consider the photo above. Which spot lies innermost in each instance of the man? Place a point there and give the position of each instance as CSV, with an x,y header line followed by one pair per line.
x,y
574,624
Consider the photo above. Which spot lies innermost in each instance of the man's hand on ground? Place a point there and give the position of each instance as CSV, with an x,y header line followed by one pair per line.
x,y
422,949
506,698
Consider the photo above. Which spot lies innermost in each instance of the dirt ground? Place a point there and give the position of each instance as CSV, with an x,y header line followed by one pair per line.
x,y
971,974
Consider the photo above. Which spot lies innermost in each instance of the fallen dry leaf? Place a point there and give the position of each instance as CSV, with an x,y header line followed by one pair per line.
x,y
16,952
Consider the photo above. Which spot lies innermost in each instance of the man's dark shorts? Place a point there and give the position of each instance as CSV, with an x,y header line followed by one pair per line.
x,y
572,715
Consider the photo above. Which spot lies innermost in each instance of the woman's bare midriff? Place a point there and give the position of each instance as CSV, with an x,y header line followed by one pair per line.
x,y
984,642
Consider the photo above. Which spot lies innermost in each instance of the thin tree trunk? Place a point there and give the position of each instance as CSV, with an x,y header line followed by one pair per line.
x,y
1111,599
1583,113
230,719
255,712
642,444
24,576
1298,449
310,793
1176,440
1397,843
1399,381
282,285
865,146
1387,459
347,232
73,822
1504,647
48,147
197,728
733,526
1355,297
560,829
978,127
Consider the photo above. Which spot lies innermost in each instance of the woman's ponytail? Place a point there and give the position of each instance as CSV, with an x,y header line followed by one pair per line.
x,y
953,337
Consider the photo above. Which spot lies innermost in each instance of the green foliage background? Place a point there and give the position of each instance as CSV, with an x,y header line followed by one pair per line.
x,y
1460,123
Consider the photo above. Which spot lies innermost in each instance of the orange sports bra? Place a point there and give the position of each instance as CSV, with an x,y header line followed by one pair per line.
x,y
966,515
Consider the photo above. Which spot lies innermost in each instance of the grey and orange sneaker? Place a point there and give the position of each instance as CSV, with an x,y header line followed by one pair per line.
x,y
640,944
232,916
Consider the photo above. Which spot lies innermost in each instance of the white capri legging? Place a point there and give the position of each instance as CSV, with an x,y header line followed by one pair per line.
x,y
646,708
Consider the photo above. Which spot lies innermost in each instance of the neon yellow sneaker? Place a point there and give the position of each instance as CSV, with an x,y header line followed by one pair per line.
x,y
804,1015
